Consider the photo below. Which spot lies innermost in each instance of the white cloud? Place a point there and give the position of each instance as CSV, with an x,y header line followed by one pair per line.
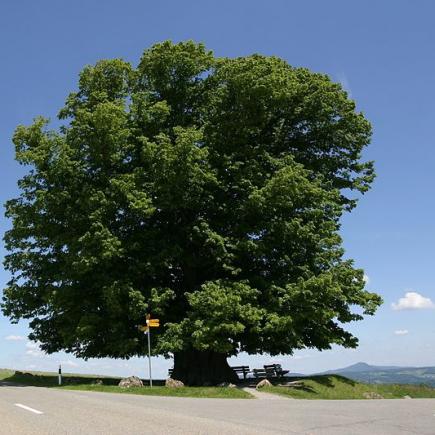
x,y
413,301
366,279
32,345
401,332
15,338
32,352
301,356
33,349
69,363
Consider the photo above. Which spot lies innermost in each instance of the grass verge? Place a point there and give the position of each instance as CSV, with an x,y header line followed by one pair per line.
x,y
110,385
338,387
201,392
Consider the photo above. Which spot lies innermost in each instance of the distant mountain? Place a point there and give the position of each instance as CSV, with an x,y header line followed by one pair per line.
x,y
364,372
362,367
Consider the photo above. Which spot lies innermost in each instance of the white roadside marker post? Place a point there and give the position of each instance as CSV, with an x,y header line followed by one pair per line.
x,y
60,375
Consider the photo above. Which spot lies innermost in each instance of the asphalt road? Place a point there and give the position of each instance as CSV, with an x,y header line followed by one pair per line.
x,y
77,412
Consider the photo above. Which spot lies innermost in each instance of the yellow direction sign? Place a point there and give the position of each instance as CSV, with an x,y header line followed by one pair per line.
x,y
143,328
153,323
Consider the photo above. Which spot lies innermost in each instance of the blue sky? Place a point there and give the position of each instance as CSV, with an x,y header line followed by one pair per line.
x,y
382,53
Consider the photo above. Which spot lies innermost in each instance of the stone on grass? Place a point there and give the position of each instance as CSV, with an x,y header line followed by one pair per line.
x,y
372,395
173,383
132,381
226,385
407,397
292,384
263,383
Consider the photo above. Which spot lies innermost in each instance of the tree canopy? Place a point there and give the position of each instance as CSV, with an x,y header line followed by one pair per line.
x,y
206,191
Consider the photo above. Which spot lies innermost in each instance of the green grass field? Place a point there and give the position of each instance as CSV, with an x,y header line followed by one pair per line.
x,y
202,392
338,387
110,385
315,387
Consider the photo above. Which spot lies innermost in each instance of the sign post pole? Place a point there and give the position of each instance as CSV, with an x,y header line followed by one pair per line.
x,y
149,355
150,323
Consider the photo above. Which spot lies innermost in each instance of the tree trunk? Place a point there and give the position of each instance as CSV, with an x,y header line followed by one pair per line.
x,y
194,367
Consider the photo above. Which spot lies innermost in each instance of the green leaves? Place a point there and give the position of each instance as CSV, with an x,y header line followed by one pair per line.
x,y
174,73
107,81
219,313
262,105
205,191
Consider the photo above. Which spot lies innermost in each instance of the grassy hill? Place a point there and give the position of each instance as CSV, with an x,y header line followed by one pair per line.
x,y
387,374
340,387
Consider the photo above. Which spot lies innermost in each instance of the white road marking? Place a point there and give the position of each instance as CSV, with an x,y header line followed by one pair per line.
x,y
27,408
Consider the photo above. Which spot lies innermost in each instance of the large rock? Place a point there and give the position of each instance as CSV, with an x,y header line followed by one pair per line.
x,y
173,383
132,381
263,383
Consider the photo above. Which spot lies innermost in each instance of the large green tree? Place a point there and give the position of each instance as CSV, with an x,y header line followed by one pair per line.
x,y
205,191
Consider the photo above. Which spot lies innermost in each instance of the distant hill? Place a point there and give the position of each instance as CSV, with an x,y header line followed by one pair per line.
x,y
362,367
364,372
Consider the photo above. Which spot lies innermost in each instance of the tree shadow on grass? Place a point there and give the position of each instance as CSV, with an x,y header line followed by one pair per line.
x,y
331,380
26,379
328,381
292,383
305,388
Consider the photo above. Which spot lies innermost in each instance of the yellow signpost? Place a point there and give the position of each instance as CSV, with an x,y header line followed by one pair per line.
x,y
150,323
154,323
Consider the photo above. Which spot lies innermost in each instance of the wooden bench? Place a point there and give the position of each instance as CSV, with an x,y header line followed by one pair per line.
x,y
275,370
270,371
244,370
265,372
259,373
